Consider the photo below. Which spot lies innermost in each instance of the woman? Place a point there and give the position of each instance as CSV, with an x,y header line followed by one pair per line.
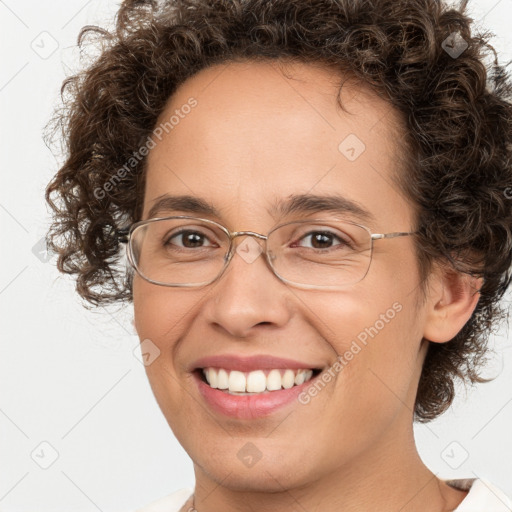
x,y
313,196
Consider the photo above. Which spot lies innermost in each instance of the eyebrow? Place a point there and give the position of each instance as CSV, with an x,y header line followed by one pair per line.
x,y
311,203
295,204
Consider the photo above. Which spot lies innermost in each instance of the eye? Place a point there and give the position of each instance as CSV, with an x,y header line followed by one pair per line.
x,y
188,239
322,240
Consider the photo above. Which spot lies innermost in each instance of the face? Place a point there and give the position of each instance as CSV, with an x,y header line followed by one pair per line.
x,y
253,138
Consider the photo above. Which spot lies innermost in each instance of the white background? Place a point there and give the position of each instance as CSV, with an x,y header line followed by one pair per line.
x,y
69,376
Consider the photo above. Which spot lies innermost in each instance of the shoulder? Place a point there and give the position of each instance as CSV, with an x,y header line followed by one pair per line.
x,y
171,503
483,496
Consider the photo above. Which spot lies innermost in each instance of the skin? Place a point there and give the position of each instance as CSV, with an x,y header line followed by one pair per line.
x,y
257,135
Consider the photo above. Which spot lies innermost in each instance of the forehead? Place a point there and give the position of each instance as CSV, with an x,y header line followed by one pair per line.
x,y
260,132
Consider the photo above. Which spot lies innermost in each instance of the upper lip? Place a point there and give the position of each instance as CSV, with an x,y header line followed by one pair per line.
x,y
251,363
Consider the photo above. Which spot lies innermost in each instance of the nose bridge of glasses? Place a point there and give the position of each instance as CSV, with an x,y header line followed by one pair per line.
x,y
234,234
249,253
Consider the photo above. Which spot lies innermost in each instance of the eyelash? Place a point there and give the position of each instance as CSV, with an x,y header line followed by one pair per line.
x,y
329,233
303,237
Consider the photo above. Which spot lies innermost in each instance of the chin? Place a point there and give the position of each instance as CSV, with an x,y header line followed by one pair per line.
x,y
234,468
262,477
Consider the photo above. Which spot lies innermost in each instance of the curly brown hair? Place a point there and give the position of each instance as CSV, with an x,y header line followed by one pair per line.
x,y
456,107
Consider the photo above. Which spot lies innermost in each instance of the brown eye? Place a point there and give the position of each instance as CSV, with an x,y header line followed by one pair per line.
x,y
322,240
188,239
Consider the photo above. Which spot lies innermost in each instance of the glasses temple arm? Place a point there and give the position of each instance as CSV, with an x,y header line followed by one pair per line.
x,y
378,236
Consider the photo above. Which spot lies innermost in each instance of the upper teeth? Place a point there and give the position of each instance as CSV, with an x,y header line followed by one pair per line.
x,y
256,381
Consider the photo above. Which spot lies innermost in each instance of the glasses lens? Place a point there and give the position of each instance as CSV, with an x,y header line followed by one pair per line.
x,y
318,253
179,251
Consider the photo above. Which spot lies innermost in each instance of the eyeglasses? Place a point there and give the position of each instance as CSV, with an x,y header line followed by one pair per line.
x,y
311,254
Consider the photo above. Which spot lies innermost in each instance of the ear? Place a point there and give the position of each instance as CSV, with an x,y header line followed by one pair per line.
x,y
452,298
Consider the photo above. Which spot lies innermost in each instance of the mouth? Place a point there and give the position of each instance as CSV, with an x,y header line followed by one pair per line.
x,y
256,382
252,387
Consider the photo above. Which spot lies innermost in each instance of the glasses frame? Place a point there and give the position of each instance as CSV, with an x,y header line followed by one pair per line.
x,y
124,236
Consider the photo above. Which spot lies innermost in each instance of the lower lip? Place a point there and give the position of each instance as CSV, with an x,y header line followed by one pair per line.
x,y
249,406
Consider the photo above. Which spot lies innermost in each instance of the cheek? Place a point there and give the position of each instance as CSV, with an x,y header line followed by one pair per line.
x,y
160,320
161,313
372,334
375,331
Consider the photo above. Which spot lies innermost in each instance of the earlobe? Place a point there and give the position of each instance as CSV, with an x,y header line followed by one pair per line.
x,y
453,297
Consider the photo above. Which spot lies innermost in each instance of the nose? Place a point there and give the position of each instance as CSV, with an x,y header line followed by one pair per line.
x,y
248,294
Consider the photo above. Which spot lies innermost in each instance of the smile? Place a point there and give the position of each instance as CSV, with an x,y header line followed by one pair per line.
x,y
257,381
251,387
